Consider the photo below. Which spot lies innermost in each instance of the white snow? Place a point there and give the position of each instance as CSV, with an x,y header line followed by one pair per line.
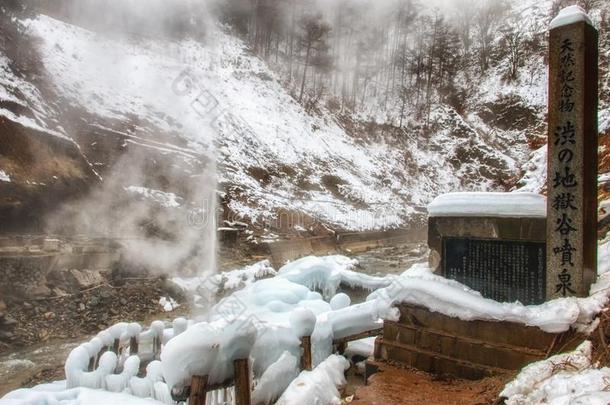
x,y
56,394
168,304
165,199
363,347
226,281
319,386
570,15
276,379
4,176
564,379
534,178
327,273
488,205
419,286
276,313
302,321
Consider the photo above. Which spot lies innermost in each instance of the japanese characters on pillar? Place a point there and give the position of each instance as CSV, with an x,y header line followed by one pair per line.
x,y
572,155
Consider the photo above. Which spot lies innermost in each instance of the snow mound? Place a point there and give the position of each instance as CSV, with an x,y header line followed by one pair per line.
x,y
567,378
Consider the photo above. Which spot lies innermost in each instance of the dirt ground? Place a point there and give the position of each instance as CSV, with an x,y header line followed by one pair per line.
x,y
393,385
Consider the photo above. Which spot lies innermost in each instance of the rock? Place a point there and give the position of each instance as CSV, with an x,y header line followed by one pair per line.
x,y
8,321
49,315
6,336
87,278
59,292
106,293
123,301
27,305
94,301
39,291
81,307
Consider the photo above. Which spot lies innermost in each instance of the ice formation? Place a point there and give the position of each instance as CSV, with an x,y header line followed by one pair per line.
x,y
318,386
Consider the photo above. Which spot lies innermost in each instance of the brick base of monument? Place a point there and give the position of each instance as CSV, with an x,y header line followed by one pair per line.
x,y
442,345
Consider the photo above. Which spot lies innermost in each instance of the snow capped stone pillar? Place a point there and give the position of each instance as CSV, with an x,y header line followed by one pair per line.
x,y
572,155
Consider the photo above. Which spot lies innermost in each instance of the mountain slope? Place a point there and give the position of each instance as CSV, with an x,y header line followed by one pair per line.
x,y
183,103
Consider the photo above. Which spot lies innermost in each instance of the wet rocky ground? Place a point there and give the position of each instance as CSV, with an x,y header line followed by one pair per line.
x,y
37,335
40,333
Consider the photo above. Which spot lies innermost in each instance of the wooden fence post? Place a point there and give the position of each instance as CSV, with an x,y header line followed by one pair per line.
x,y
157,347
198,390
134,345
341,347
377,351
242,382
99,355
116,346
306,362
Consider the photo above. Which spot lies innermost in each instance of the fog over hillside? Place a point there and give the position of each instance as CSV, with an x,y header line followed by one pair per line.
x,y
343,115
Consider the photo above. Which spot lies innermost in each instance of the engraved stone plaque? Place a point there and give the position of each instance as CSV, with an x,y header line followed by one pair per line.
x,y
505,271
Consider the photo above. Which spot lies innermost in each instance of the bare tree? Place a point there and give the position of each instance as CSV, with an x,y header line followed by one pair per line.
x,y
314,38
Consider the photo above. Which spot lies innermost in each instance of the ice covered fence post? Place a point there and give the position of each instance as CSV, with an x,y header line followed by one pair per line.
x,y
134,345
198,390
242,382
572,155
303,323
306,362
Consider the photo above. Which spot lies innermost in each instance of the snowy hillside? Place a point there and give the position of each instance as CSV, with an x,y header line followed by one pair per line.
x,y
182,101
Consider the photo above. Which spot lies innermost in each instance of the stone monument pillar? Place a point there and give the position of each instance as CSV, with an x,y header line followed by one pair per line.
x,y
572,155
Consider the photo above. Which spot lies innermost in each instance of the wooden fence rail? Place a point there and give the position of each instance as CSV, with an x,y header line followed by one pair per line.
x,y
200,387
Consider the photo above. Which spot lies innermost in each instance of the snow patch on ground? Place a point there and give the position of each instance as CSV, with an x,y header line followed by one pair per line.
x,y
4,176
563,379
168,304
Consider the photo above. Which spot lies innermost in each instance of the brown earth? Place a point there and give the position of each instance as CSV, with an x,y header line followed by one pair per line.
x,y
85,313
394,385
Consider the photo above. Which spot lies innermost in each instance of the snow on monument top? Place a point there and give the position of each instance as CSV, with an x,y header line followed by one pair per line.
x,y
570,15
530,205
